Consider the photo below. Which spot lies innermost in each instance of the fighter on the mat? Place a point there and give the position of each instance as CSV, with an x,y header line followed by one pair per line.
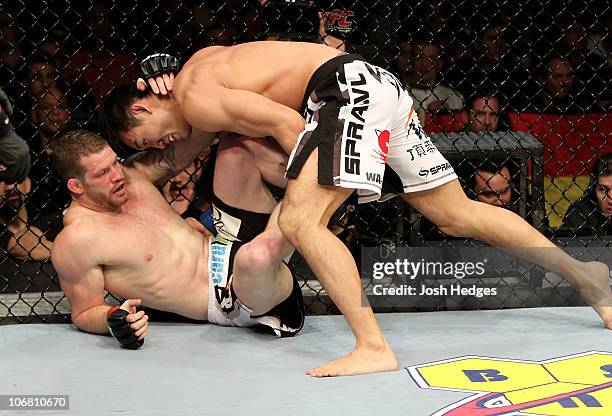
x,y
349,126
121,235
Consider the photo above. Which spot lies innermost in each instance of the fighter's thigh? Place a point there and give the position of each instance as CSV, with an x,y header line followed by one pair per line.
x,y
307,201
443,205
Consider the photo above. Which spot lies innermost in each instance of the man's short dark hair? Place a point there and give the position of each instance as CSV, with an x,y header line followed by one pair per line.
x,y
70,148
490,166
115,117
484,93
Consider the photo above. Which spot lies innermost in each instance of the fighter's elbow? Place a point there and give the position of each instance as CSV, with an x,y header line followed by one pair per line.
x,y
79,320
287,131
85,323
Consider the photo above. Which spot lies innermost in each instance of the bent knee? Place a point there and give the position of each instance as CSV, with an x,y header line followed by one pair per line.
x,y
258,255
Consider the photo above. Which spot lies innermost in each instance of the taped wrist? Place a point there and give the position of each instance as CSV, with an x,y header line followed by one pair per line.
x,y
157,64
120,328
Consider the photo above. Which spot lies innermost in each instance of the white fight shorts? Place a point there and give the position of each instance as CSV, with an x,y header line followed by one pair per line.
x,y
367,133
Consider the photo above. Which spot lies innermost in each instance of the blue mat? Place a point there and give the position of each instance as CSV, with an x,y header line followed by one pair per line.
x,y
187,369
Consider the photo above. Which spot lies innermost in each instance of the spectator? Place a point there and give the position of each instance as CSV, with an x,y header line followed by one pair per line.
x,y
592,214
591,72
40,74
54,50
429,93
50,116
484,113
403,63
555,77
601,43
21,239
526,33
217,22
489,63
491,184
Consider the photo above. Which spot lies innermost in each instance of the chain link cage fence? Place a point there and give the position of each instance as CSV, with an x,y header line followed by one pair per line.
x,y
516,95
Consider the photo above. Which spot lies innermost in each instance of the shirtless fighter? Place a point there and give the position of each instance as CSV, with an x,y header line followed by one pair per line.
x,y
121,235
349,126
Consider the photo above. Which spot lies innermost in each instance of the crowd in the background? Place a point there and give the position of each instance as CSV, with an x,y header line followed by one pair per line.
x,y
470,68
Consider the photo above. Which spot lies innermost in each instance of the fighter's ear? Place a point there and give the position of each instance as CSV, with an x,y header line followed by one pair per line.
x,y
140,108
75,186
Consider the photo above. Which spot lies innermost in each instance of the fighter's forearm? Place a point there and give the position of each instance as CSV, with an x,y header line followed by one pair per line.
x,y
92,320
162,164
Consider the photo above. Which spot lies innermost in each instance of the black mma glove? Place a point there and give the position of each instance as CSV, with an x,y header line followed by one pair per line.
x,y
157,64
120,328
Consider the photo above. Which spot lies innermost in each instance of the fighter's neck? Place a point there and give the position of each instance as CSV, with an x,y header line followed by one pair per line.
x,y
89,205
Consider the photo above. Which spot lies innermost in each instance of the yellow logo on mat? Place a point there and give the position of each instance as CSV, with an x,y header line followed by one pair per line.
x,y
575,385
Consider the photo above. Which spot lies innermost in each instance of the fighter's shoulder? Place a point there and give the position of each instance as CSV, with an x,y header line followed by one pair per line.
x,y
205,54
80,230
75,241
75,234
203,73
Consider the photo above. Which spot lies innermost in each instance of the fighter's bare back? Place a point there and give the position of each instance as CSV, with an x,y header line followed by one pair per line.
x,y
146,251
279,71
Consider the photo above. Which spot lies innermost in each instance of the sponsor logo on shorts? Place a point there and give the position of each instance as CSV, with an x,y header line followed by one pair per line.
x,y
354,129
217,261
383,143
421,149
435,169
414,127
374,177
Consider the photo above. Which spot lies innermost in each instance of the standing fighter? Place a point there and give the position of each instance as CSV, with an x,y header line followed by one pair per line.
x,y
358,134
121,235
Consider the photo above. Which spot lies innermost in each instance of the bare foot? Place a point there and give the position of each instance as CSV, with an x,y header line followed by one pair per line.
x,y
359,361
596,290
